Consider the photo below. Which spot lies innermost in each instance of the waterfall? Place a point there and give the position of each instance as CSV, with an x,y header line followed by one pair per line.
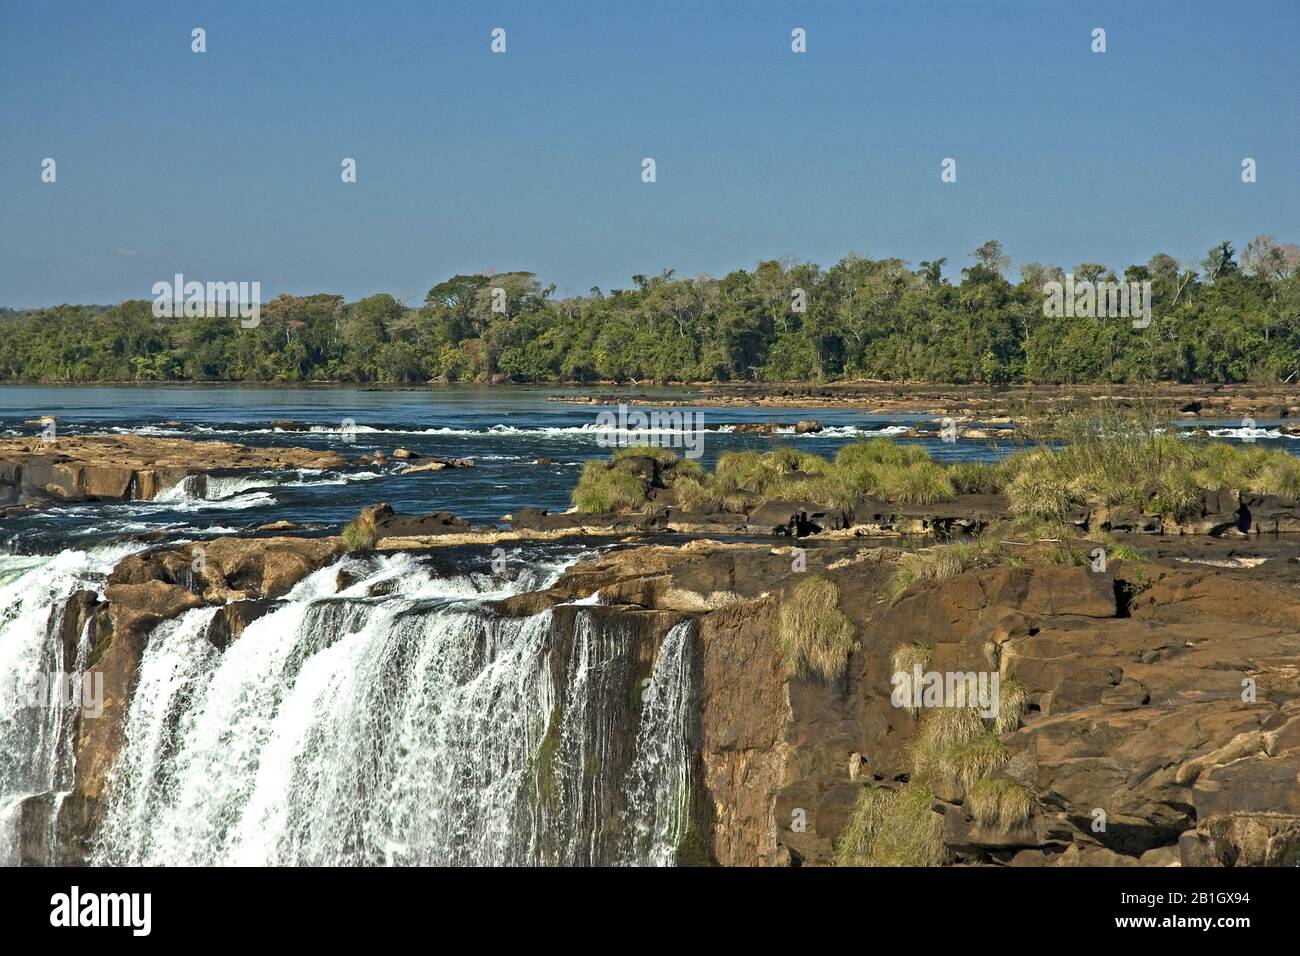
x,y
420,727
660,779
36,723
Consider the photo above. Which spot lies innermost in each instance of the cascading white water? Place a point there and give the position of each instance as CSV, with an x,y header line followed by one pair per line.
x,y
415,729
35,745
660,778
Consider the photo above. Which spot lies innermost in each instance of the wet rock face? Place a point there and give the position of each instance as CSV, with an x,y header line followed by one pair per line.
x,y
592,740
131,467
231,620
53,829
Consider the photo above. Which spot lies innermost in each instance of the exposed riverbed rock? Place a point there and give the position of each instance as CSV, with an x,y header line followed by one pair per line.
x,y
988,404
808,426
230,568
133,467
384,522
435,464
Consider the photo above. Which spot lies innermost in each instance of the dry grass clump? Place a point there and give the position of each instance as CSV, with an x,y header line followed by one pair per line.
x,y
944,561
999,801
694,493
904,660
1117,550
893,827
924,483
1042,490
880,451
978,477
1138,460
1114,459
1122,551
1222,467
623,482
664,455
1013,704
880,468
885,469
816,638
747,478
964,765
955,747
1279,476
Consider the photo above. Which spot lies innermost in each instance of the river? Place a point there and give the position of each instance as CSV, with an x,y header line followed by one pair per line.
x,y
381,713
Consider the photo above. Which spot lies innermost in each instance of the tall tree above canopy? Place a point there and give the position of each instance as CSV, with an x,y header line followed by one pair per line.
x,y
1220,262
990,257
458,292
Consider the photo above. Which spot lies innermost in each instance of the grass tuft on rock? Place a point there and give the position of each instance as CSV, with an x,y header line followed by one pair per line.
x,y
603,488
997,801
816,638
1279,476
893,827
977,477
954,747
695,493
964,765
1013,704
662,455
924,483
904,660
358,536
1138,460
943,561
1113,459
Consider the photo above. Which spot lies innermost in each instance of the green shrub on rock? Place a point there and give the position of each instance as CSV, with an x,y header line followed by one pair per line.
x,y
358,536
603,488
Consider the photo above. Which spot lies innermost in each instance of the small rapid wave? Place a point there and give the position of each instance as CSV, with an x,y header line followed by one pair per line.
x,y
580,431
1249,434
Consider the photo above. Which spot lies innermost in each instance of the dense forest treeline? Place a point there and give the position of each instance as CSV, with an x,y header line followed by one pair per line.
x,y
1225,319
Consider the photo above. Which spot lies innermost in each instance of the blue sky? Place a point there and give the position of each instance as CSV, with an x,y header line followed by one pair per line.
x,y
225,165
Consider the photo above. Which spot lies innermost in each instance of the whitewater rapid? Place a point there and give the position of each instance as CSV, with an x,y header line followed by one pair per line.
x,y
399,721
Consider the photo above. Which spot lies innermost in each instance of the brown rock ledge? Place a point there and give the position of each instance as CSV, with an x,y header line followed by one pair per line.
x,y
130,467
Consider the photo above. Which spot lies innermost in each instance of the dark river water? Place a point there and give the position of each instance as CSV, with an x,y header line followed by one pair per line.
x,y
505,430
